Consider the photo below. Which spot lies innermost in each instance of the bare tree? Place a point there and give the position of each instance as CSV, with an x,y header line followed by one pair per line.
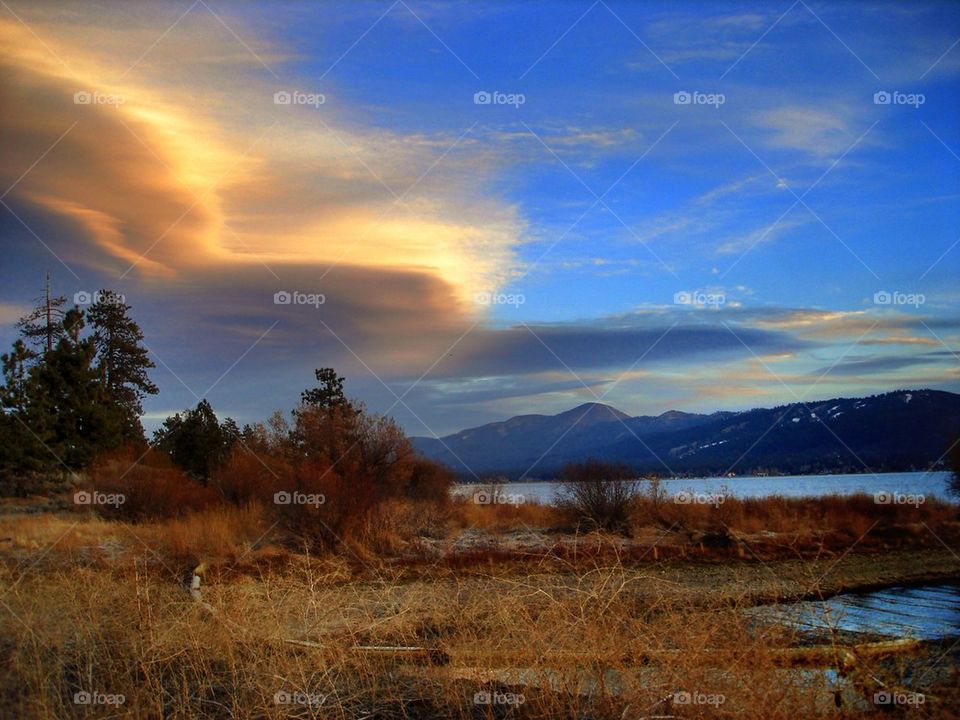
x,y
598,494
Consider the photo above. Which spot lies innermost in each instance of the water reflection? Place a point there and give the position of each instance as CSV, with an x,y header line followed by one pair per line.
x,y
927,612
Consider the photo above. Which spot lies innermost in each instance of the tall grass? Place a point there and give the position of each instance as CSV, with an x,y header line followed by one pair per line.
x,y
603,642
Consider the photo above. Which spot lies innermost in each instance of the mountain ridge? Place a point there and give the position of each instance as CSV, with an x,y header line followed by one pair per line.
x,y
899,430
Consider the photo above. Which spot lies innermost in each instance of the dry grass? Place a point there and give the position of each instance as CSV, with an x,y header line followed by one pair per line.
x,y
222,532
606,642
506,516
102,606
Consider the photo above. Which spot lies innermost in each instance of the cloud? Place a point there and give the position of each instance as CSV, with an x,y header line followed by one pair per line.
x,y
615,343
816,131
209,175
872,365
11,312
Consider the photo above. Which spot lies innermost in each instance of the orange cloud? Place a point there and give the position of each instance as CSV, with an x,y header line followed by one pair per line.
x,y
164,175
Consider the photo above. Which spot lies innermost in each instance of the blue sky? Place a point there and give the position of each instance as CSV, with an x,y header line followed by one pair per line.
x,y
484,260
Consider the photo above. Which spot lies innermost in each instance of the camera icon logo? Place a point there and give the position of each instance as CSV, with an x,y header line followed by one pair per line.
x,y
482,298
82,97
683,498
282,97
882,698
282,297
82,497
682,698
882,298
482,497
282,497
683,298
682,98
883,497
82,298
81,698
482,98
481,698
882,97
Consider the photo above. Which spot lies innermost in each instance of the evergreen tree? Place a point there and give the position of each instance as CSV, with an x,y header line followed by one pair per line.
x,y
195,440
21,451
121,358
329,394
68,407
73,324
15,376
43,326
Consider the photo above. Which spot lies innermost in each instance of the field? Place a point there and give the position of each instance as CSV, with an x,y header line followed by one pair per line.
x,y
465,611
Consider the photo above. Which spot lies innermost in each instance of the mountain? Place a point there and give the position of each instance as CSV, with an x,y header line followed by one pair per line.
x,y
901,430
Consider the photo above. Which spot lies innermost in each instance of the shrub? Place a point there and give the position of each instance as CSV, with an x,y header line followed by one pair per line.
x,y
250,474
598,494
150,487
353,460
430,481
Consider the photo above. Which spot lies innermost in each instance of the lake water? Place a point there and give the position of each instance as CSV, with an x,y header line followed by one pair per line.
x,y
927,612
928,484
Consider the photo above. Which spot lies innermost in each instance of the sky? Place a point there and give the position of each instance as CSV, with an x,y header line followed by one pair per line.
x,y
478,210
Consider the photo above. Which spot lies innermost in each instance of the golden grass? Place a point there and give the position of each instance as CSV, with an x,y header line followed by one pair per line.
x,y
505,516
607,642
103,607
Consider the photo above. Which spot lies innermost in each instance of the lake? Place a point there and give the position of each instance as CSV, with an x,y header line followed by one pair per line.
x,y
927,612
928,484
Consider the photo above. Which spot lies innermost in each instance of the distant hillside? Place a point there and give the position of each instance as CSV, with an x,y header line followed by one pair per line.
x,y
903,430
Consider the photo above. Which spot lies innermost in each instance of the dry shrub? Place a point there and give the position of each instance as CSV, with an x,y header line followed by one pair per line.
x,y
150,487
597,494
225,531
394,523
429,481
347,465
251,475
845,516
507,516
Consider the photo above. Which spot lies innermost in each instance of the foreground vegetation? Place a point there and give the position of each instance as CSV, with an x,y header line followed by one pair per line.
x,y
439,606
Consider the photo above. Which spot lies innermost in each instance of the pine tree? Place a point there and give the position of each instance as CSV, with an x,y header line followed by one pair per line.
x,y
73,324
16,366
195,440
329,394
22,452
68,408
121,358
43,326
